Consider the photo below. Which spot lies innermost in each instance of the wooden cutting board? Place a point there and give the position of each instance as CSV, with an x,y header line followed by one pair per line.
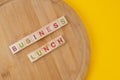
x,y
19,18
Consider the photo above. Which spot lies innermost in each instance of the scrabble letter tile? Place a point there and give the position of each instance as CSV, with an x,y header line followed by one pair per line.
x,y
47,48
39,34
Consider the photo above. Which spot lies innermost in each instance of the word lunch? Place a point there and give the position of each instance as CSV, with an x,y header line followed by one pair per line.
x,y
47,48
37,35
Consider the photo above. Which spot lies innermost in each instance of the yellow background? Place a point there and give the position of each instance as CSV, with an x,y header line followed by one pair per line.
x,y
102,21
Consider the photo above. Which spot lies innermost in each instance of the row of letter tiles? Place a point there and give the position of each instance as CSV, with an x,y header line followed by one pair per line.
x,y
45,49
37,35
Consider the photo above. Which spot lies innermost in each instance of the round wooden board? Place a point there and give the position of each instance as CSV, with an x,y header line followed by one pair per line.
x,y
19,18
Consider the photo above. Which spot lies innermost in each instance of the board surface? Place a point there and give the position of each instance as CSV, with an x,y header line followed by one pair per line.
x,y
19,18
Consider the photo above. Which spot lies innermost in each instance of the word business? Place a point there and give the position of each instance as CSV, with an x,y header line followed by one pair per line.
x,y
37,35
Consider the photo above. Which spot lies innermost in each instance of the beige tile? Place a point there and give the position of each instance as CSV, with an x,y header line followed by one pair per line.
x,y
62,21
60,40
14,49
33,56
53,44
46,48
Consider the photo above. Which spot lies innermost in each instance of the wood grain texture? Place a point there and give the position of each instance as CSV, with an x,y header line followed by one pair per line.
x,y
19,18
2,2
